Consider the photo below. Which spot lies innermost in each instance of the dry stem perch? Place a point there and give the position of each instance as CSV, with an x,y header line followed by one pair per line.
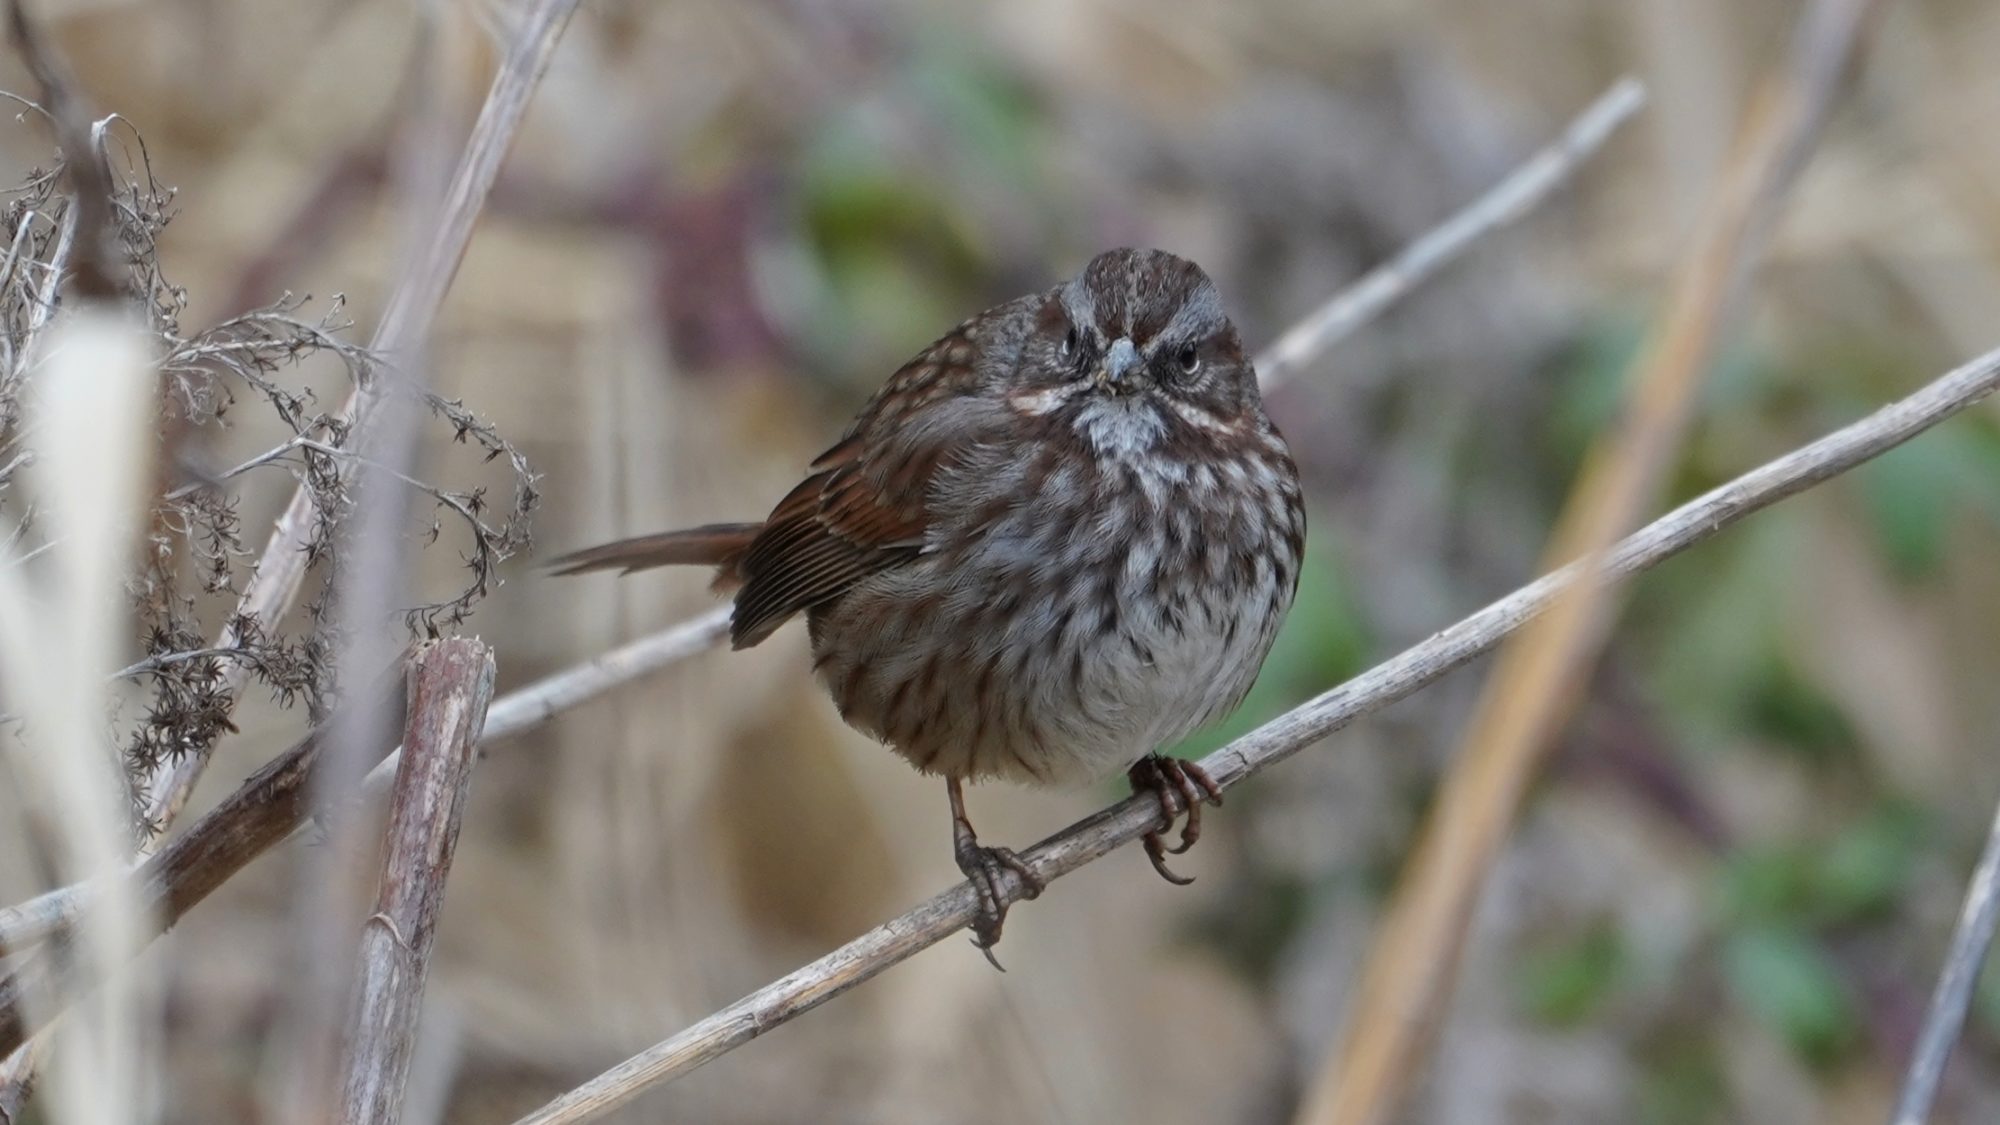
x,y
1386,683
450,684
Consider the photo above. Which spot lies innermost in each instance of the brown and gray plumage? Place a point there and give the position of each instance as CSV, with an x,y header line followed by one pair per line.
x,y
1059,539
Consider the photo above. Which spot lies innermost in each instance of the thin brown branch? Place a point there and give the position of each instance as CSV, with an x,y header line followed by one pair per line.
x,y
264,810
238,830
531,706
1392,680
451,682
1413,962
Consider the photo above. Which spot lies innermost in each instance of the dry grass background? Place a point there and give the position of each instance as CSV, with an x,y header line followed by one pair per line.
x,y
724,223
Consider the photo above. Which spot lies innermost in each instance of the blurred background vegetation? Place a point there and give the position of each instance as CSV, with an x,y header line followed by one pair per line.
x,y
726,223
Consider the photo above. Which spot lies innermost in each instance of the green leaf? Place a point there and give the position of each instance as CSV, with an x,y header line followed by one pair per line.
x,y
1566,985
1764,885
1908,493
1788,709
1684,1082
1710,617
1863,872
1787,982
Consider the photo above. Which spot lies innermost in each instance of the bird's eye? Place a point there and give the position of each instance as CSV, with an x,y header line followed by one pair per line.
x,y
1189,359
1070,341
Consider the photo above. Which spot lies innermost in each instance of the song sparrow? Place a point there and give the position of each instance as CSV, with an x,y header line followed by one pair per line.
x,y
1056,541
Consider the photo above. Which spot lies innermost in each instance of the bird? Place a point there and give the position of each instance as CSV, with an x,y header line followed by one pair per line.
x,y
1057,541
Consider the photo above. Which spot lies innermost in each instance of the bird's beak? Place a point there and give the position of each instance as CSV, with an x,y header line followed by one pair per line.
x,y
1121,360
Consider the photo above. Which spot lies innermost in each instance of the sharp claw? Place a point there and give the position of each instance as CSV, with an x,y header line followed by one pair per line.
x,y
986,949
1157,852
982,867
1182,788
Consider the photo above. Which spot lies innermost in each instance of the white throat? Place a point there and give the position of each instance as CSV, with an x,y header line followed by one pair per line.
x,y
1121,427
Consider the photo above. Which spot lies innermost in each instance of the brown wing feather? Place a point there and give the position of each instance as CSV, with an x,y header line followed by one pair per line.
x,y
862,510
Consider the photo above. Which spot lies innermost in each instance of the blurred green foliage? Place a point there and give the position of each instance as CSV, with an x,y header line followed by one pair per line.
x,y
1785,979
1778,905
1566,983
894,233
1683,1081
1255,922
1915,494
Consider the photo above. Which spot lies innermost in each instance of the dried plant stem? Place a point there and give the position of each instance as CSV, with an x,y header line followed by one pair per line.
x,y
1386,683
411,308
267,809
263,811
537,703
1945,1018
1413,962
1507,202
451,682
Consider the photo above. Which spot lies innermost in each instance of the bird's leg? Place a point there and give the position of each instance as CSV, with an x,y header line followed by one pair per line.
x,y
984,867
1180,785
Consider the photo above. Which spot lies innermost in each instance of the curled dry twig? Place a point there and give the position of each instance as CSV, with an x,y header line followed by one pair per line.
x,y
195,552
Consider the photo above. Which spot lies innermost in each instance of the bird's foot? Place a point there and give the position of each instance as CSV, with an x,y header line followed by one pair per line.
x,y
987,869
1181,786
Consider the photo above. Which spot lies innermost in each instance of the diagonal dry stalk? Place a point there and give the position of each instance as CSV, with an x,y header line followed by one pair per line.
x,y
1523,189
271,805
1392,680
1414,959
450,684
264,810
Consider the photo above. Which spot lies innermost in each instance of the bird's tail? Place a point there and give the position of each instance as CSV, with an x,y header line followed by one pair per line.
x,y
720,545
